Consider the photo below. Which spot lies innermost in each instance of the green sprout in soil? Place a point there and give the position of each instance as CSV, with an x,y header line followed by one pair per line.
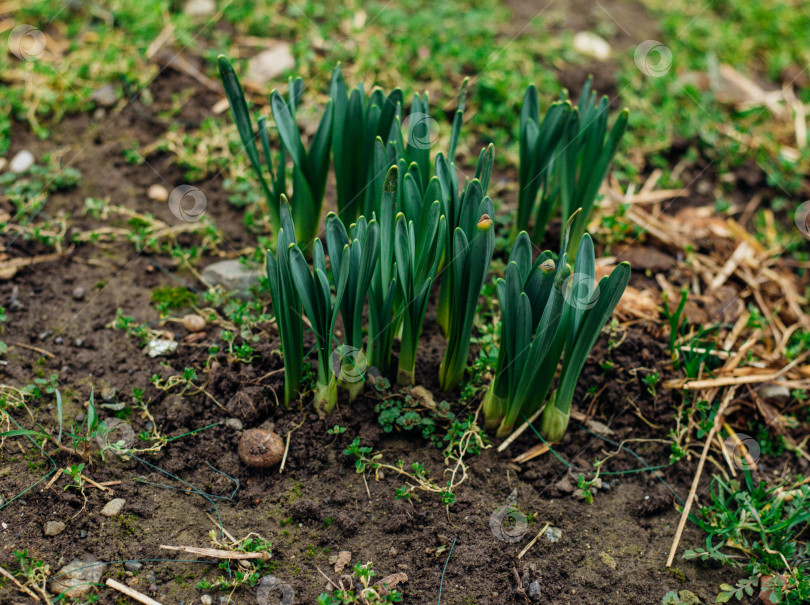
x,y
403,221
370,594
462,439
758,529
550,312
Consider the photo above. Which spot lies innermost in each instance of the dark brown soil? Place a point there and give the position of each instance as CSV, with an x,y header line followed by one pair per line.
x,y
612,551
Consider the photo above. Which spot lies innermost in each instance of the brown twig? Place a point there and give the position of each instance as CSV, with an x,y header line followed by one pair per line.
x,y
131,593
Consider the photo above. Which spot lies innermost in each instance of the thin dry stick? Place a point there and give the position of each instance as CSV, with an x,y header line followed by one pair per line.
x,y
520,429
217,554
97,485
25,589
286,451
133,594
688,505
47,354
530,544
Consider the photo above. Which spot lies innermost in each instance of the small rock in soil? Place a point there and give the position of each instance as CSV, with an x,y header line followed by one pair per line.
x,y
193,323
199,8
592,45
607,560
343,559
260,449
234,423
231,275
54,528
553,534
78,293
113,507
159,347
206,599
133,566
21,162
424,396
77,577
270,63
78,342
104,96
774,392
44,335
109,394
533,591
158,193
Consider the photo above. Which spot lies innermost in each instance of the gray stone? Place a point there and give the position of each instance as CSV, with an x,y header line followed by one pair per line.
x,y
534,591
77,577
105,96
199,8
234,423
22,161
109,393
133,566
160,347
78,293
113,507
231,275
553,534
206,599
774,392
270,63
54,528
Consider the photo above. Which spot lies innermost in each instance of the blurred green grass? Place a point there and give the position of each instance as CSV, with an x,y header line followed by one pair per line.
x,y
433,46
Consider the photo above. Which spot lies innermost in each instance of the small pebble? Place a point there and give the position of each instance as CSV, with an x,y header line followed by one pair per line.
x,y
206,599
132,566
78,293
109,393
58,340
534,590
44,335
193,323
158,193
21,162
105,96
82,534
199,8
78,342
113,507
149,425
54,528
234,423
260,449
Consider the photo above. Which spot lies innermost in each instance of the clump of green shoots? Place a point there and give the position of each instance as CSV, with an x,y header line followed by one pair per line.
x,y
322,310
549,311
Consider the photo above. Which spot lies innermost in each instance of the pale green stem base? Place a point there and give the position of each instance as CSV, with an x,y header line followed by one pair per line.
x,y
494,408
325,397
554,423
352,388
405,377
